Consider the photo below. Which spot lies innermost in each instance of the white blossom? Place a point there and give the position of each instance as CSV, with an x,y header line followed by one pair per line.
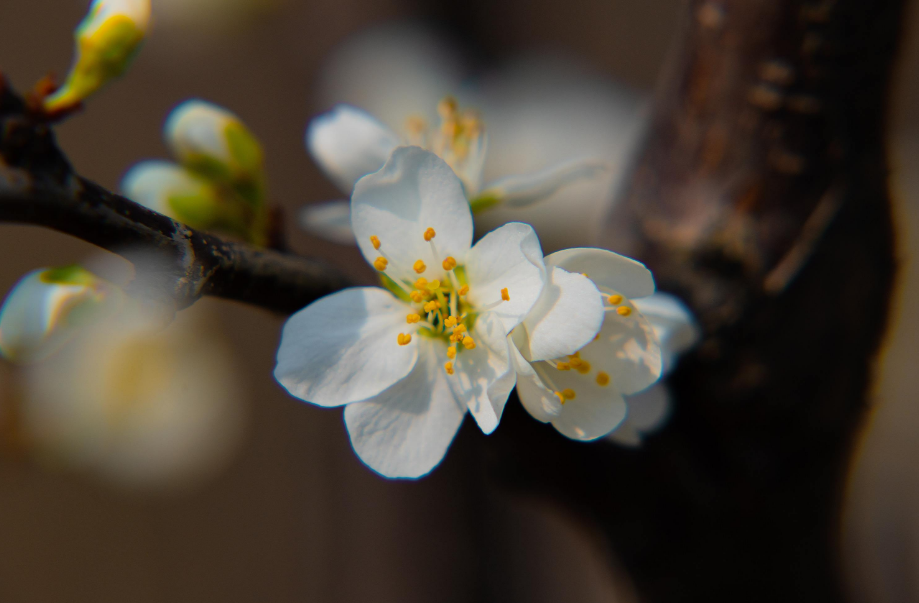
x,y
409,362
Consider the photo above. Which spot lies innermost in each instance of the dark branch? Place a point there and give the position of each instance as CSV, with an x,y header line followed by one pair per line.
x,y
38,186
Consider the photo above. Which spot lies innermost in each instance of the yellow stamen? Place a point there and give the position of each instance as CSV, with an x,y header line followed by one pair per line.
x,y
505,295
455,337
435,284
375,241
451,352
561,397
463,290
421,283
450,322
404,339
419,267
563,366
569,394
623,310
575,362
380,263
447,106
584,367
449,263
575,355
468,342
416,296
449,368
431,305
460,328
429,234
412,318
602,379
615,299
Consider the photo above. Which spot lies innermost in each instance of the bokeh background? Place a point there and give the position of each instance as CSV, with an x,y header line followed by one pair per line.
x,y
291,514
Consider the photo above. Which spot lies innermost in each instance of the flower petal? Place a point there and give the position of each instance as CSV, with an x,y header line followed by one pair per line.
x,y
673,323
405,430
414,191
648,411
606,269
591,417
484,376
330,220
507,258
525,189
342,348
567,316
627,349
348,143
538,400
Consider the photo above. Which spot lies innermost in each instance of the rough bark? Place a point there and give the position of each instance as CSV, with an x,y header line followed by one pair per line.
x,y
761,198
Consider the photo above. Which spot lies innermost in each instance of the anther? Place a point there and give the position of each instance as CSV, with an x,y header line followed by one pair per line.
x,y
575,362
561,397
451,352
449,263
417,296
463,290
404,339
615,299
431,306
375,241
583,368
505,295
563,366
380,263
421,283
623,311
450,322
429,234
602,379
468,342
412,318
569,394
446,108
460,328
419,267
449,368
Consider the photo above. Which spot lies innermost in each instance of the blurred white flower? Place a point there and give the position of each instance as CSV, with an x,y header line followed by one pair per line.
x,y
106,42
677,331
578,383
49,306
410,362
538,112
143,406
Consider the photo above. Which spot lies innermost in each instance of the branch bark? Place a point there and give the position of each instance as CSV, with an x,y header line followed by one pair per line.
x,y
39,187
761,198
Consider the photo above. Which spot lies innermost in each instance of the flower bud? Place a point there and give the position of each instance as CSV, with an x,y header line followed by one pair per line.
x,y
106,42
176,192
213,142
47,307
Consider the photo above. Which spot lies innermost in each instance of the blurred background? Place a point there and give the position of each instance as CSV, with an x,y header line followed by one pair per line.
x,y
282,510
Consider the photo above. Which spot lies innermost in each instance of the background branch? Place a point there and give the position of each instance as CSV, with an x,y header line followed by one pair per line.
x,y
38,186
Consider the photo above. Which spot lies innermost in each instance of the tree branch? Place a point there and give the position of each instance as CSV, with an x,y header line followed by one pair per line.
x,y
38,186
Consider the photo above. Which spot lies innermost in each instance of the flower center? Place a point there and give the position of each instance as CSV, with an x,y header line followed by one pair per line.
x,y
440,308
459,140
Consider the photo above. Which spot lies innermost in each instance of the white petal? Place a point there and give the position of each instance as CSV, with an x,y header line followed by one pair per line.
x,y
628,350
525,189
330,220
673,323
509,257
542,404
606,269
348,144
590,417
484,376
414,191
648,412
567,316
406,430
342,348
